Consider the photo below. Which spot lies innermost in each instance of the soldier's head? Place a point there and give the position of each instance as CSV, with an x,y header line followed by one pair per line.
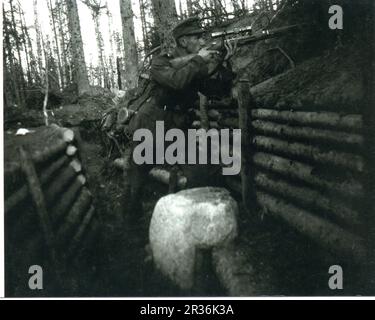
x,y
189,35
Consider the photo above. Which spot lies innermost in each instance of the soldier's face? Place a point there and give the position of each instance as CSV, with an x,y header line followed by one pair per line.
x,y
194,43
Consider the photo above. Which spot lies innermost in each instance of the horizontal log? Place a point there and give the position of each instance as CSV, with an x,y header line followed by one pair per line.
x,y
66,134
90,240
299,150
71,150
163,176
229,122
317,229
12,170
307,133
44,145
229,112
76,165
310,198
197,124
74,217
305,173
81,231
66,201
59,185
350,122
221,104
212,114
46,176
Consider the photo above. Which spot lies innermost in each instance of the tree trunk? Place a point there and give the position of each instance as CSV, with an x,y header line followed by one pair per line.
x,y
38,38
64,48
33,63
53,24
20,71
146,41
112,49
100,45
118,67
79,64
130,45
61,20
165,17
12,69
23,29
189,4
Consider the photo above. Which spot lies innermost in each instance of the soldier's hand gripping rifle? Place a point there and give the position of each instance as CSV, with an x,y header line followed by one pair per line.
x,y
240,36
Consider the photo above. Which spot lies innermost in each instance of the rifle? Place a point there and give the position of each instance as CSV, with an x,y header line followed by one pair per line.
x,y
218,39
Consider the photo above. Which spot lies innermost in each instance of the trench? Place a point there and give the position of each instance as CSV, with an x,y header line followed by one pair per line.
x,y
282,261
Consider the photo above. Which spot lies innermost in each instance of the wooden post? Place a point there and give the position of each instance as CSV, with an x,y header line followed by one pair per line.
x,y
203,105
368,69
38,198
246,103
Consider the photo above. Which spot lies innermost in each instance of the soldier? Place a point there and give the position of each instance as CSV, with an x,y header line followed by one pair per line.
x,y
173,91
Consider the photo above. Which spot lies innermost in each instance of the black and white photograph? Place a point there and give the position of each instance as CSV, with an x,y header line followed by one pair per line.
x,y
188,149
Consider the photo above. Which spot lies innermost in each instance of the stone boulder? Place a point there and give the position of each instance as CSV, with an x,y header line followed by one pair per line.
x,y
186,221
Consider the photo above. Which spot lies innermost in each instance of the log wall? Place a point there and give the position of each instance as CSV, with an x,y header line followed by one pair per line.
x,y
307,158
58,240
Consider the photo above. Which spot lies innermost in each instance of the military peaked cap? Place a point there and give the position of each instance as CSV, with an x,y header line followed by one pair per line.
x,y
189,26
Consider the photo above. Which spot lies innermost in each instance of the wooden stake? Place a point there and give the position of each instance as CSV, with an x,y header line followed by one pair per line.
x,y
203,105
246,103
38,198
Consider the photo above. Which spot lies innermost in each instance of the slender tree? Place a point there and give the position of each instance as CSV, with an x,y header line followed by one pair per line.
x,y
111,57
11,71
38,33
130,45
61,14
21,78
96,7
24,38
33,62
79,64
56,41
190,10
142,10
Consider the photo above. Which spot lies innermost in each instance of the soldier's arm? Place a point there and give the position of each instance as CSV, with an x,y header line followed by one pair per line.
x,y
177,78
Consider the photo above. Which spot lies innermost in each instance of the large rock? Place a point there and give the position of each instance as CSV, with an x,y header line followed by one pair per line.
x,y
185,221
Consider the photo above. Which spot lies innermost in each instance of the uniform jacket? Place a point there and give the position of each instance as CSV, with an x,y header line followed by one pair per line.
x,y
173,91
